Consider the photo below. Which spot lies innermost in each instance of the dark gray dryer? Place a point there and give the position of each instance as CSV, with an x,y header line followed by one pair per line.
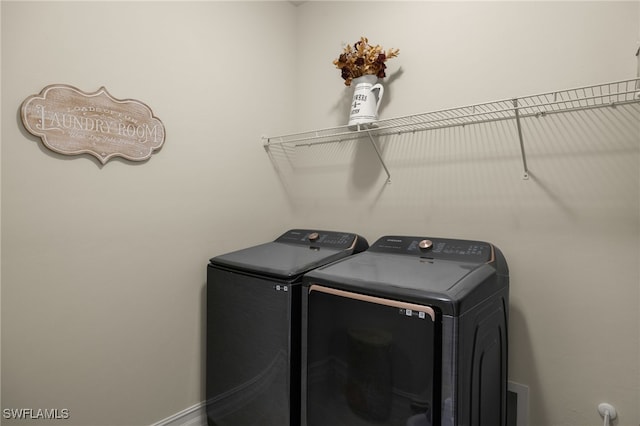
x,y
412,332
253,326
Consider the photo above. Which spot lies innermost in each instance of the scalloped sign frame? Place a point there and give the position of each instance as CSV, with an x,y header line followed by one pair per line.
x,y
72,122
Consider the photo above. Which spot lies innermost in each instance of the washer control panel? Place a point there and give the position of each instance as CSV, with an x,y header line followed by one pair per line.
x,y
435,248
314,238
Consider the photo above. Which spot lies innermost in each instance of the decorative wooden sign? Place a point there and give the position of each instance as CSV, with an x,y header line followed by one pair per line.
x,y
72,122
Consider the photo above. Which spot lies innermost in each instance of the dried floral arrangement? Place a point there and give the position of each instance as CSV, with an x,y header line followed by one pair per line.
x,y
363,59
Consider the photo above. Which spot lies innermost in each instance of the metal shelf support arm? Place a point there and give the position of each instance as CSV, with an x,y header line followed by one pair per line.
x,y
375,147
525,174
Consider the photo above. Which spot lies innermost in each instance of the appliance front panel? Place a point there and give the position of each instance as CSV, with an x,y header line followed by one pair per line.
x,y
252,346
369,361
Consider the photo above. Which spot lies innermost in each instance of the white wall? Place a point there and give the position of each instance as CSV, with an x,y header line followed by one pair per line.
x,y
103,267
570,233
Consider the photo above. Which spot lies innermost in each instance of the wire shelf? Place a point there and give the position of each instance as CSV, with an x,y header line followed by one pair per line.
x,y
581,98
588,97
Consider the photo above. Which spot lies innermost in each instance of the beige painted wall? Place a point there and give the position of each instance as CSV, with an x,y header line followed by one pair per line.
x,y
570,233
103,267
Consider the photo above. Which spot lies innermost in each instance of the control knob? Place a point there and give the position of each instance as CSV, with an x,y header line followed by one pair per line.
x,y
425,244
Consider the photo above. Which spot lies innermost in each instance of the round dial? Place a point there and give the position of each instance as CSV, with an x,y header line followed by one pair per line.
x,y
425,244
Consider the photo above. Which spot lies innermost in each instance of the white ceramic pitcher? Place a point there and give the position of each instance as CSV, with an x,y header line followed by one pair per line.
x,y
366,101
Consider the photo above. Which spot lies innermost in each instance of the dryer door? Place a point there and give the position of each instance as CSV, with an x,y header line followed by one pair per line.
x,y
369,361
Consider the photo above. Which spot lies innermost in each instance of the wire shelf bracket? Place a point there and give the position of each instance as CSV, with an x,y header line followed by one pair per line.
x,y
525,173
384,166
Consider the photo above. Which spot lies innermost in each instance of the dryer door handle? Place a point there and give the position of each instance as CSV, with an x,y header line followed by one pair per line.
x,y
409,308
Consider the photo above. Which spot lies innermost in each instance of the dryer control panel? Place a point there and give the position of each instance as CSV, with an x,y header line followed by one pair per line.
x,y
313,238
436,248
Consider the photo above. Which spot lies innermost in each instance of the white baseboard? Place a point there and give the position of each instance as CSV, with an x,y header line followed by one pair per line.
x,y
192,416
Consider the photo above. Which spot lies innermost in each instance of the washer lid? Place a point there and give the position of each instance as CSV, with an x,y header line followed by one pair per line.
x,y
450,274
293,253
